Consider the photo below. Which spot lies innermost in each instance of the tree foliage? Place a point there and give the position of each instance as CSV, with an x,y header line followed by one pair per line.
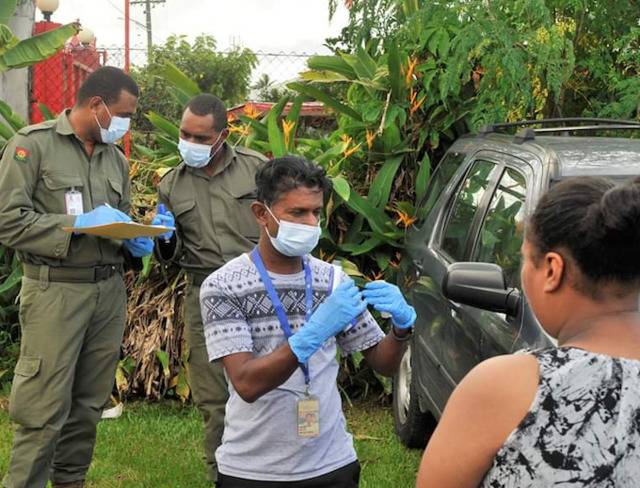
x,y
226,75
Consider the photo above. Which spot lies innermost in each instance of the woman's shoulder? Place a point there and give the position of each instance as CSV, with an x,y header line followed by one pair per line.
x,y
500,391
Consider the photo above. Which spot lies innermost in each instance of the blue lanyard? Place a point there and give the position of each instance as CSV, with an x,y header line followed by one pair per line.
x,y
277,304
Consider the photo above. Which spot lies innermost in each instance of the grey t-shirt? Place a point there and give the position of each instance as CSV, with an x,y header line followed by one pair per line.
x,y
260,439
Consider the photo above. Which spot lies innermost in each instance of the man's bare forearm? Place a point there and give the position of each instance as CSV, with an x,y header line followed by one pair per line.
x,y
253,376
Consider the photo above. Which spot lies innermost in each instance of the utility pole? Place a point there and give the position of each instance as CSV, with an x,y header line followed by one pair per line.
x,y
147,4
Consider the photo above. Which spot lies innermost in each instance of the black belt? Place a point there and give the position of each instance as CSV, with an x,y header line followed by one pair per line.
x,y
73,275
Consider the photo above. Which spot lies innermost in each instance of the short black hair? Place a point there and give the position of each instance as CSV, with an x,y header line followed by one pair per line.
x,y
107,83
207,104
282,175
598,223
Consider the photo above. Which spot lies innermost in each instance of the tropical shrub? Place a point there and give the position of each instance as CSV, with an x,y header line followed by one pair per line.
x,y
225,74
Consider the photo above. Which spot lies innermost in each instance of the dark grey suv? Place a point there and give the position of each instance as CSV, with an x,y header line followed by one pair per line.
x,y
474,212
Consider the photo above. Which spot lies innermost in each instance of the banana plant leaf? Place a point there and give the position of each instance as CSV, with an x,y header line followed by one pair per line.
x,y
165,125
294,111
46,112
181,82
362,63
276,139
381,186
6,132
341,187
333,64
37,48
395,73
422,178
12,280
7,9
363,247
328,100
13,119
378,220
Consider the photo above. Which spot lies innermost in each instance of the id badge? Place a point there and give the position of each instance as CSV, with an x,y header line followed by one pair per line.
x,y
73,202
308,417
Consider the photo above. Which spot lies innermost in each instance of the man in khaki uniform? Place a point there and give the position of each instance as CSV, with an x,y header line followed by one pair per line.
x,y
210,195
67,172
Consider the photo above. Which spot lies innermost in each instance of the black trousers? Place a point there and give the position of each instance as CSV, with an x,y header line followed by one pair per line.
x,y
346,477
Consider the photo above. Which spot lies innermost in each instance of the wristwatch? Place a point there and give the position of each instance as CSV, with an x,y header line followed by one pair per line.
x,y
402,338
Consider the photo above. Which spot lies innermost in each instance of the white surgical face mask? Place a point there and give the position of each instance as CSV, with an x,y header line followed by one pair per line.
x,y
118,127
294,239
197,155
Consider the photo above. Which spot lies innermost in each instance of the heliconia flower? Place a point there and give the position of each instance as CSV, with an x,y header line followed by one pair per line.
x,y
288,129
251,111
242,130
411,66
416,104
349,152
370,138
404,218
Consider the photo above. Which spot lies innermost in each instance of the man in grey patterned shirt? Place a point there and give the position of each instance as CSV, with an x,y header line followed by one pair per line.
x,y
274,320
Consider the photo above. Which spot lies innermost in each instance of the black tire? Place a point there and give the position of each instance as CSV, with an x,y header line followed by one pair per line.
x,y
413,426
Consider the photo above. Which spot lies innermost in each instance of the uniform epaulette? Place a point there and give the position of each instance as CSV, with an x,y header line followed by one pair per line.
x,y
250,152
172,170
46,125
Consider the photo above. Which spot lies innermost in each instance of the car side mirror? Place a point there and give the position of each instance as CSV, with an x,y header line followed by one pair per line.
x,y
481,285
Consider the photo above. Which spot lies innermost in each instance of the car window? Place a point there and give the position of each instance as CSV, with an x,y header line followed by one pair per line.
x,y
466,203
439,179
502,230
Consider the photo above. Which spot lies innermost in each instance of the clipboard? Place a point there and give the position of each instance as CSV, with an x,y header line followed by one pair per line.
x,y
121,230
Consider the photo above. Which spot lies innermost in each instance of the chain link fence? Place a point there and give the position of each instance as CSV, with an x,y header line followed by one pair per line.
x,y
56,81
280,67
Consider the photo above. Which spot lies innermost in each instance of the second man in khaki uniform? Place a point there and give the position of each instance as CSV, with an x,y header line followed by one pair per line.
x,y
208,198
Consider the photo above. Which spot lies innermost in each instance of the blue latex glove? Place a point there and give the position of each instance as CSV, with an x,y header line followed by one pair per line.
x,y
329,319
101,215
165,218
388,298
139,246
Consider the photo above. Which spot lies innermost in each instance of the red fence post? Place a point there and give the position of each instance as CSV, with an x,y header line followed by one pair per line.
x,y
127,138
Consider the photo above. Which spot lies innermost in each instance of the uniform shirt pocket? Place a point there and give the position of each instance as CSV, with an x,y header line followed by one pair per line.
x,y
115,192
51,197
242,198
186,216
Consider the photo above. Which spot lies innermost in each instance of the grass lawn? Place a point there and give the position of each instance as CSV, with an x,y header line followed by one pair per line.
x,y
158,445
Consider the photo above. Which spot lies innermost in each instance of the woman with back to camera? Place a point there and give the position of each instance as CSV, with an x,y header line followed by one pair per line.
x,y
566,416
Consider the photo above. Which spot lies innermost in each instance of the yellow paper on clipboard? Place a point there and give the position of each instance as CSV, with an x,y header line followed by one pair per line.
x,y
121,230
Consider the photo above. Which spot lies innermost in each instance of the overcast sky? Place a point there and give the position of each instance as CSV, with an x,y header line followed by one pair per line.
x,y
265,25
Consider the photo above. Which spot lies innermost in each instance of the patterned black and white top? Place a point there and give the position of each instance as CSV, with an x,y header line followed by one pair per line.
x,y
583,427
260,440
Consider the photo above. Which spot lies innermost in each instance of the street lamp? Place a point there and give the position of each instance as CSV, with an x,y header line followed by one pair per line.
x,y
86,36
47,7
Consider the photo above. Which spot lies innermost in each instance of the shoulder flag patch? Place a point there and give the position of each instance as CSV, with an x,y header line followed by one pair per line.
x,y
21,154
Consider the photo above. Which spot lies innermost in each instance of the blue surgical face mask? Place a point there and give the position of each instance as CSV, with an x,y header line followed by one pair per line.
x,y
294,239
118,127
197,155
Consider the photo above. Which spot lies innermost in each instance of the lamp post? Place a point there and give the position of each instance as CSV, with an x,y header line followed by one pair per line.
x,y
47,7
86,36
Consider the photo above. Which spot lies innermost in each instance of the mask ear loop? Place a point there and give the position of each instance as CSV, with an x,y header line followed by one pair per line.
x,y
212,154
95,116
274,218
